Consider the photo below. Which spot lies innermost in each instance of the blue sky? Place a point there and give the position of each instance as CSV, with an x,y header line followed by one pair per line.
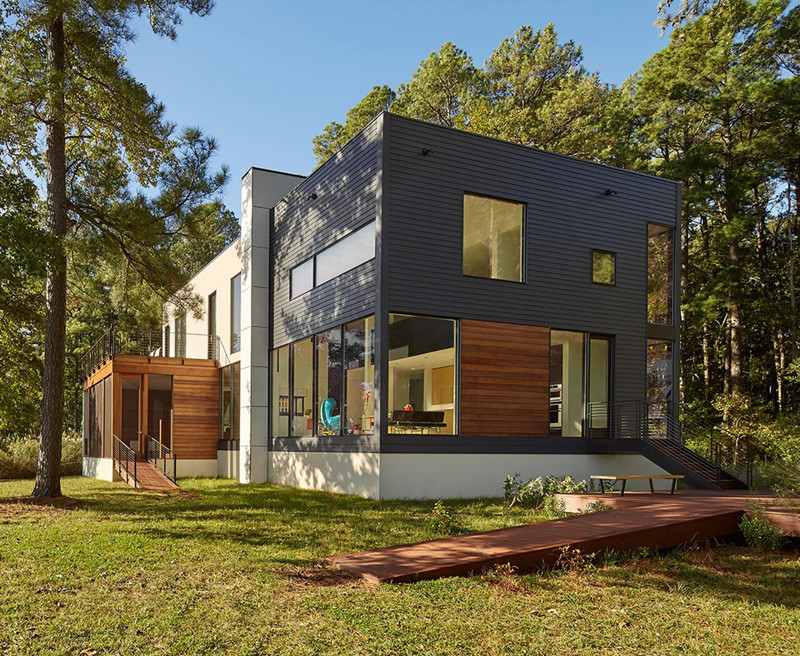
x,y
265,77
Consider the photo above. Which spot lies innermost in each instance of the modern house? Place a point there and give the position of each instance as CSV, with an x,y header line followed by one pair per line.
x,y
428,312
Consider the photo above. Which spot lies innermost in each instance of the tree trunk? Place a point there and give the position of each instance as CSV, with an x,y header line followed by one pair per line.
x,y
48,469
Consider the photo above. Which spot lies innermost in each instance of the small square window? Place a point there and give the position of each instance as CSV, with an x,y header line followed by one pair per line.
x,y
604,264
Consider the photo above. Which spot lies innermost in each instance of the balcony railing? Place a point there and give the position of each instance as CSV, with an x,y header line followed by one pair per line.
x,y
152,343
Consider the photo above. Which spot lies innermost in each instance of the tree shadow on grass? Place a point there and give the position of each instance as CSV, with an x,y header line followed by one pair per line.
x,y
730,573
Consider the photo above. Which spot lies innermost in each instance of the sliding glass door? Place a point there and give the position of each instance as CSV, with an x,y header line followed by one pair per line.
x,y
580,382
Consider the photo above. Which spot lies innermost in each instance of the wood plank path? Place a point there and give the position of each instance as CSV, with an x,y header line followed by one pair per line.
x,y
656,526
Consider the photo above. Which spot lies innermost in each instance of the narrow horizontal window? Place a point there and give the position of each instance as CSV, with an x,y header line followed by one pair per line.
x,y
302,279
604,267
356,248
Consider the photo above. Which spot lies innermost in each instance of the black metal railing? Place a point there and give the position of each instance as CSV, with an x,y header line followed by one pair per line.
x,y
125,461
162,458
150,343
711,441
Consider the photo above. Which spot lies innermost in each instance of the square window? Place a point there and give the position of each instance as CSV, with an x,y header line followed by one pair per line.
x,y
493,238
604,265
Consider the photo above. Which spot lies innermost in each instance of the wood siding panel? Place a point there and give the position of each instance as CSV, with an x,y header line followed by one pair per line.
x,y
195,416
505,379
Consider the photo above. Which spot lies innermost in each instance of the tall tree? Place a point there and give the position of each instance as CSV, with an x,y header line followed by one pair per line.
x,y
62,72
335,135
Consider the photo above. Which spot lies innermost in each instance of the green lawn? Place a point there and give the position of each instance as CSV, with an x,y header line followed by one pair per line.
x,y
235,569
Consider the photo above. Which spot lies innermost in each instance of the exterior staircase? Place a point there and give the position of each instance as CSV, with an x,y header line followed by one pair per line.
x,y
679,443
698,472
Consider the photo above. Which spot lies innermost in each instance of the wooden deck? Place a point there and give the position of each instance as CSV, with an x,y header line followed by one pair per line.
x,y
637,520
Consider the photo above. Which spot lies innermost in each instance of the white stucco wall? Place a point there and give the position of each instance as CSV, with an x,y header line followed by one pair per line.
x,y
452,476
197,468
214,277
345,473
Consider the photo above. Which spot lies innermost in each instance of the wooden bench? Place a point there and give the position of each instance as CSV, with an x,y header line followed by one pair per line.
x,y
633,477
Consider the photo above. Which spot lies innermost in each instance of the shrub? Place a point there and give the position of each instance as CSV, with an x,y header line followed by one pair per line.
x,y
761,534
18,456
536,490
443,520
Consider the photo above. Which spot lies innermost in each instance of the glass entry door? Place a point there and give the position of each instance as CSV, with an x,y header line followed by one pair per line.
x,y
131,411
599,386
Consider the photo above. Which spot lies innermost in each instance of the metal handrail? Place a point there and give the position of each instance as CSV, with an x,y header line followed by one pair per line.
x,y
146,342
158,454
714,443
123,456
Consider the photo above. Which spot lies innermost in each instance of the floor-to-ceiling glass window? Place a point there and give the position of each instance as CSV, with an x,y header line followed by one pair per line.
x,y
359,362
599,381
280,392
229,401
302,401
660,259
180,335
328,346
566,382
159,408
422,371
236,313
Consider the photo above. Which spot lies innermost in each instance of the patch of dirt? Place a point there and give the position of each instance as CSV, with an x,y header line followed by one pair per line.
x,y
179,494
323,576
14,507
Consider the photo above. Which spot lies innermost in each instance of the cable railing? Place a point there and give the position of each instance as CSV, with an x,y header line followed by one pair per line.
x,y
162,458
153,343
713,442
125,461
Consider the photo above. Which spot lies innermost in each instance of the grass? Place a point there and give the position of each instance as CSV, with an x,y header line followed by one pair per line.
x,y
238,570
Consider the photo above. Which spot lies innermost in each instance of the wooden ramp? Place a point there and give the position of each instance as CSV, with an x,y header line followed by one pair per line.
x,y
527,547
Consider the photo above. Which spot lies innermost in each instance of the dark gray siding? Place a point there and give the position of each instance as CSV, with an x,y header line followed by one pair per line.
x,y
346,188
568,215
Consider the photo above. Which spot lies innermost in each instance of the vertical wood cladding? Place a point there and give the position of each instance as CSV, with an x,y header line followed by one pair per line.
x,y
504,379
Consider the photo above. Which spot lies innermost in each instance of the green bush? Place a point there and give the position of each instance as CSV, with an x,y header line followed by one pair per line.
x,y
18,456
762,534
443,520
536,490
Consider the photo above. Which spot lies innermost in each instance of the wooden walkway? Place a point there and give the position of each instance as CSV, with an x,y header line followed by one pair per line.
x,y
638,520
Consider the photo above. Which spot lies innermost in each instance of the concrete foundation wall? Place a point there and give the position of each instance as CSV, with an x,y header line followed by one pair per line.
x,y
452,476
228,464
345,473
100,468
206,468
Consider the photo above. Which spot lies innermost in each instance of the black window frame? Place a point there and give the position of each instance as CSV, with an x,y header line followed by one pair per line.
x,y
524,238
604,251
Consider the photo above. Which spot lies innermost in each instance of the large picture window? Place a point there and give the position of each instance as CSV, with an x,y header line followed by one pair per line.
x,y
347,253
659,371
325,385
567,352
493,238
659,274
422,358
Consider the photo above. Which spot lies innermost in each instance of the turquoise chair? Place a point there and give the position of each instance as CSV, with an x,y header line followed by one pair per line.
x,y
331,423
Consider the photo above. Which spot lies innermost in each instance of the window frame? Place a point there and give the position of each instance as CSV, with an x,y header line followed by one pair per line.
x,y
604,251
523,237
313,261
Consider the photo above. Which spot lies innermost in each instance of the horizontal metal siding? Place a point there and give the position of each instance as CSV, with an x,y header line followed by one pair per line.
x,y
346,187
568,215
